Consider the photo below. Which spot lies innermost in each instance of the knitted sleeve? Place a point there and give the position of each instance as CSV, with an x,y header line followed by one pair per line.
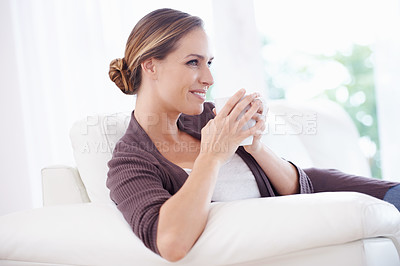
x,y
136,187
304,181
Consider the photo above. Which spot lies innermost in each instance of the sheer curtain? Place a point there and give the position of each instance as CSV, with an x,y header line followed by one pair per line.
x,y
387,80
55,71
238,61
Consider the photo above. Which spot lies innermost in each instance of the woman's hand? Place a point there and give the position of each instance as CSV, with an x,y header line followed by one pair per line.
x,y
260,118
223,134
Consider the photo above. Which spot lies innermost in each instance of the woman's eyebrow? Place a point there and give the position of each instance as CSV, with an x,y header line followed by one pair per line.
x,y
199,56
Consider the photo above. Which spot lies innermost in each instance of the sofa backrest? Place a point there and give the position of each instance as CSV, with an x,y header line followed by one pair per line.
x,y
93,140
316,133
327,133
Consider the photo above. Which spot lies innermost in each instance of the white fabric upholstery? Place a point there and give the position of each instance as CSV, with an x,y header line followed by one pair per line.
x,y
236,232
333,144
62,185
280,137
380,252
93,140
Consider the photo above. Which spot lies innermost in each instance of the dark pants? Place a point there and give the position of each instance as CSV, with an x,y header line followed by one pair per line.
x,y
325,180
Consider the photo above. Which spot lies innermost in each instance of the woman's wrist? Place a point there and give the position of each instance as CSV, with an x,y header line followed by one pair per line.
x,y
208,160
255,151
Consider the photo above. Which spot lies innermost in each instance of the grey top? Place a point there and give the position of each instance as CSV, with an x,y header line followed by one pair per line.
x,y
235,181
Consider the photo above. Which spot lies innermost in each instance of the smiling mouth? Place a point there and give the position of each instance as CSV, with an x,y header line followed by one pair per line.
x,y
201,94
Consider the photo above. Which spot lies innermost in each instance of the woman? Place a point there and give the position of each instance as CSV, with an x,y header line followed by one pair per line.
x,y
177,155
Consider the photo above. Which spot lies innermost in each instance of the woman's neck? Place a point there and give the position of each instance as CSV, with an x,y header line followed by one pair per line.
x,y
159,123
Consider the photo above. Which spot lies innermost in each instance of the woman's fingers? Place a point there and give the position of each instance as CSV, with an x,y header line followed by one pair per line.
x,y
259,127
258,116
256,130
229,124
231,103
262,106
241,106
249,114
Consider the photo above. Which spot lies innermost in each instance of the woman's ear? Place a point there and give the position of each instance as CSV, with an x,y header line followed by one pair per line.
x,y
149,68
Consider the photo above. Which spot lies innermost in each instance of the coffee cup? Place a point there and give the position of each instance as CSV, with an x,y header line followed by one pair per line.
x,y
220,103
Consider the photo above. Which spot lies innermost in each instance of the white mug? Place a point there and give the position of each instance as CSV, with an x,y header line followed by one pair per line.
x,y
220,102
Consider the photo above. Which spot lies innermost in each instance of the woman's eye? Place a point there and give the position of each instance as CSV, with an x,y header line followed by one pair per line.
x,y
209,63
194,62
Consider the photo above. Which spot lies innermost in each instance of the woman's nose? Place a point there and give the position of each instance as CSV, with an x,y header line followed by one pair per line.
x,y
206,77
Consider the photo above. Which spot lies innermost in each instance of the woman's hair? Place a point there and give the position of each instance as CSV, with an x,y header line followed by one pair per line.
x,y
154,36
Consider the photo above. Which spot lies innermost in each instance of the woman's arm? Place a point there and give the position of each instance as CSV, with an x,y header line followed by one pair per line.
x,y
183,216
282,174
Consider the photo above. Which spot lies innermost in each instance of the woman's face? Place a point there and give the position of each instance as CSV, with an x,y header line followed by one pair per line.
x,y
184,76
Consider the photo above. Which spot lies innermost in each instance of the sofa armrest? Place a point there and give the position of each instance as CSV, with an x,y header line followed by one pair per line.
x,y
244,232
62,185
282,225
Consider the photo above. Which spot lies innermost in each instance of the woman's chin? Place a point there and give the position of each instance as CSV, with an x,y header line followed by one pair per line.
x,y
194,110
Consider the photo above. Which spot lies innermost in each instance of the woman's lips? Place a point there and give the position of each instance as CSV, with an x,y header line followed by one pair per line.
x,y
200,95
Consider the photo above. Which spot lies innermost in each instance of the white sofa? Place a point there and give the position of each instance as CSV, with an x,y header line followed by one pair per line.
x,y
80,225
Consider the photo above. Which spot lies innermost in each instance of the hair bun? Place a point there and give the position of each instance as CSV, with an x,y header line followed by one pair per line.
x,y
119,74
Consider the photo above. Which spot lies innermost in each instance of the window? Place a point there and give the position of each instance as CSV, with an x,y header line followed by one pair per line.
x,y
324,49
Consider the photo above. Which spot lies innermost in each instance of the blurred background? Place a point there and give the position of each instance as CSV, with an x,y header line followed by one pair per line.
x,y
56,54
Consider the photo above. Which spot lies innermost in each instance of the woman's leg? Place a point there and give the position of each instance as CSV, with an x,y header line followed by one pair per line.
x,y
325,180
393,196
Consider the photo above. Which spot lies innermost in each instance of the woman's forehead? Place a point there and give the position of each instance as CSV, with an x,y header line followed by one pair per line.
x,y
195,43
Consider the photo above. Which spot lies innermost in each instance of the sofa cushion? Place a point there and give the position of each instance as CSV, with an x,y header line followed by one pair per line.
x,y
327,133
97,234
93,140
278,137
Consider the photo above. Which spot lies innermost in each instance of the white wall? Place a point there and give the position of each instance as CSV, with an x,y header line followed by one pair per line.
x,y
15,192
